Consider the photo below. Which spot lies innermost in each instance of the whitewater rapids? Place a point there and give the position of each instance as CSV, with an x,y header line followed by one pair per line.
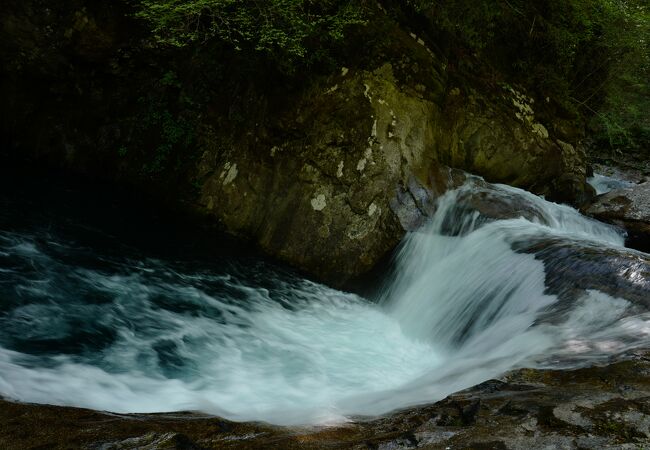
x,y
247,340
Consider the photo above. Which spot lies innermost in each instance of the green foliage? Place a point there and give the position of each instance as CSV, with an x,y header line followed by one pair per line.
x,y
288,30
164,127
593,56
534,32
176,131
622,122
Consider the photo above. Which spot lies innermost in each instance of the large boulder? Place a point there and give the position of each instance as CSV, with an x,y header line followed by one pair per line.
x,y
628,208
346,170
325,173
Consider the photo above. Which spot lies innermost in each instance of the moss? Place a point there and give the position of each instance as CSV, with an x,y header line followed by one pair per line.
x,y
621,431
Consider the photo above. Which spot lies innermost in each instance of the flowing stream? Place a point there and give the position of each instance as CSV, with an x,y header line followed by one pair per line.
x,y
87,320
603,183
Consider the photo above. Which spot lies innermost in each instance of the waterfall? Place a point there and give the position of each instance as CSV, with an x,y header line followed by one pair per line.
x,y
470,296
459,275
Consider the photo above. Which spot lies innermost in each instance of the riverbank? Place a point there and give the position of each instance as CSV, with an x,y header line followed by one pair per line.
x,y
596,408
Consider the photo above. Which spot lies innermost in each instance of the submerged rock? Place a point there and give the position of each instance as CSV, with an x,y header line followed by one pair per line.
x,y
628,208
592,408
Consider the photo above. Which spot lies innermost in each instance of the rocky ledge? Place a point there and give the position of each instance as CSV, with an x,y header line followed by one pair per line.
x,y
628,208
604,407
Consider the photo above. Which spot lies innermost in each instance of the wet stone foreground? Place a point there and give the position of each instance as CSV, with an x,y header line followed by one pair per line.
x,y
604,407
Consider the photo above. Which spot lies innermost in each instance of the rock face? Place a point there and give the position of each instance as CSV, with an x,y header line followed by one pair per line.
x,y
337,195
322,174
628,208
593,408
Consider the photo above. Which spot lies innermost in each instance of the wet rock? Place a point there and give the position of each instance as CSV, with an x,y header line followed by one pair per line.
x,y
628,208
572,268
493,203
151,441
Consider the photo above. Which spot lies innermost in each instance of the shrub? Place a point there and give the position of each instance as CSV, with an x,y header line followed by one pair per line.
x,y
287,30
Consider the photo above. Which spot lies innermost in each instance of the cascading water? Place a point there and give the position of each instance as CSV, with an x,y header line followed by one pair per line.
x,y
469,298
603,183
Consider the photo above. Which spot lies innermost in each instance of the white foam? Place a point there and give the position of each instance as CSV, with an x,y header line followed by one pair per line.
x,y
460,310
603,184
